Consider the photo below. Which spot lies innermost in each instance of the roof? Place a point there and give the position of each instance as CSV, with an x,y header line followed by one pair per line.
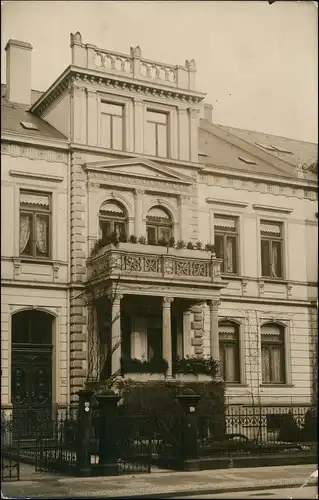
x,y
216,147
12,114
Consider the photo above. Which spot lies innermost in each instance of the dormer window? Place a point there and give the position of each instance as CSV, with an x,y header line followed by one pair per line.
x,y
112,125
156,134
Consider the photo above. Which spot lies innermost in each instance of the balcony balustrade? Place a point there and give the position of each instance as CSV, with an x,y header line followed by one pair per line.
x,y
146,261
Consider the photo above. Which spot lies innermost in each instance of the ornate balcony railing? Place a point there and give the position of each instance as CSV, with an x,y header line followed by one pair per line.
x,y
153,262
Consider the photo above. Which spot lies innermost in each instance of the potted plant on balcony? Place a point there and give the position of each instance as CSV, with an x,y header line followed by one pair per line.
x,y
194,367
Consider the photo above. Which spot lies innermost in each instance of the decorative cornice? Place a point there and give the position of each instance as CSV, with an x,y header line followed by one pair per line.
x,y
252,182
32,175
271,208
34,152
230,203
74,75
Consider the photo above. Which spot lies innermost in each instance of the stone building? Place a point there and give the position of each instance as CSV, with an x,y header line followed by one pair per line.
x,y
122,146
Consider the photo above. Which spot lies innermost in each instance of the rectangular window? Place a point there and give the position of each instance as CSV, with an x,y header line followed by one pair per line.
x,y
271,249
35,221
156,133
112,131
272,355
226,236
229,352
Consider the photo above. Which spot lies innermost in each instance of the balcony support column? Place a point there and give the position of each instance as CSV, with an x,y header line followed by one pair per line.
x,y
167,333
139,229
213,330
187,321
116,334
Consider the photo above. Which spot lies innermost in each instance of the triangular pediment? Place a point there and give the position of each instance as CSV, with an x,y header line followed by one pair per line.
x,y
139,168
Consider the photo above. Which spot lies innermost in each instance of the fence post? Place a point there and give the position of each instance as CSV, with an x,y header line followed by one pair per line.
x,y
83,434
190,459
108,454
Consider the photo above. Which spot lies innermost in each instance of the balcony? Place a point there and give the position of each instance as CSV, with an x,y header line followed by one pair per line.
x,y
155,263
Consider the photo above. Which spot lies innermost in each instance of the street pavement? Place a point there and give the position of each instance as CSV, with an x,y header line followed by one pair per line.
x,y
308,492
160,484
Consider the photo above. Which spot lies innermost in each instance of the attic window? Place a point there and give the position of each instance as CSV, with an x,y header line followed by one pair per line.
x,y
281,149
246,160
271,147
265,146
29,125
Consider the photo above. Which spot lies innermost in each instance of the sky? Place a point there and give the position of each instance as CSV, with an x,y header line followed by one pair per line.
x,y
258,63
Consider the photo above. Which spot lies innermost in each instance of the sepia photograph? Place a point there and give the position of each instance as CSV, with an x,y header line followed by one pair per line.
x,y
159,249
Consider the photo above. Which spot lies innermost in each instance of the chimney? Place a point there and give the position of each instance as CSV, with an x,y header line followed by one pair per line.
x,y
18,76
208,113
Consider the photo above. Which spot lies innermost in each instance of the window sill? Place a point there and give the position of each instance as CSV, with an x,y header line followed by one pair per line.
x,y
274,280
277,385
30,260
235,384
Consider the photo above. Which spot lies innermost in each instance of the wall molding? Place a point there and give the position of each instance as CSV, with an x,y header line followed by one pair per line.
x,y
230,203
271,208
34,152
33,175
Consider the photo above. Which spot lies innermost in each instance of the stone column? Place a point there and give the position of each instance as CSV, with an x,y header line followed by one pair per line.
x,y
214,341
194,122
167,333
92,117
139,230
138,126
183,131
116,333
187,324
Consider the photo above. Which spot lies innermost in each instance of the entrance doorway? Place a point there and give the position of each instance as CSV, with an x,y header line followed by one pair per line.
x,y
31,365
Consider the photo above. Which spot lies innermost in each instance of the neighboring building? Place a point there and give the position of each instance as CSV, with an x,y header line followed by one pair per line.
x,y
120,143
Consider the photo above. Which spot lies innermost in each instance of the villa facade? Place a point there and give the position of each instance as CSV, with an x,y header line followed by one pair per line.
x,y
216,232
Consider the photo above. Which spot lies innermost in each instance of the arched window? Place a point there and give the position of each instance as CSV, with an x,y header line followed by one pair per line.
x,y
159,225
273,353
112,219
229,351
31,327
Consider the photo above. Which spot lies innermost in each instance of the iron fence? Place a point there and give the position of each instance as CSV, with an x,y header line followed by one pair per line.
x,y
255,430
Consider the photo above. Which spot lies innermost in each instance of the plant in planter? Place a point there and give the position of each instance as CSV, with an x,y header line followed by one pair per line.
x,y
97,245
162,242
196,365
171,242
122,237
199,245
180,244
132,239
155,365
209,247
190,245
142,240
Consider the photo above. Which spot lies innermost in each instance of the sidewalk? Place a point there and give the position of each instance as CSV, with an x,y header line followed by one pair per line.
x,y
159,483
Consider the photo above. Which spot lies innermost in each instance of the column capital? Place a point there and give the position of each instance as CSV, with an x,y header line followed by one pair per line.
x,y
167,301
213,304
139,192
115,298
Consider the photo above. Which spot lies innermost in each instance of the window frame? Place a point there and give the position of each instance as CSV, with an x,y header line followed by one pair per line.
x,y
272,238
158,225
225,234
113,220
167,126
122,106
270,346
237,350
34,213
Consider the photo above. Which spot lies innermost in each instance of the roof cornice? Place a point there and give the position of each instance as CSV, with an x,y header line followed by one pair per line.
x,y
35,141
74,74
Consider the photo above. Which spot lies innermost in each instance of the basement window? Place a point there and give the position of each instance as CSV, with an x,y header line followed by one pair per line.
x,y
29,125
246,160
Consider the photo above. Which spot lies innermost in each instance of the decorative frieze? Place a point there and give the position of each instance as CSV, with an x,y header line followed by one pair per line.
x,y
34,153
125,179
262,187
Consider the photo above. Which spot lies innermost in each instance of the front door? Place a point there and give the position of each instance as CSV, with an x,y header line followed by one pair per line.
x,y
31,366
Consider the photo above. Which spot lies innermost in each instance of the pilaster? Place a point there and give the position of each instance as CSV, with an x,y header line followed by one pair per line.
x,y
183,134
138,126
92,117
